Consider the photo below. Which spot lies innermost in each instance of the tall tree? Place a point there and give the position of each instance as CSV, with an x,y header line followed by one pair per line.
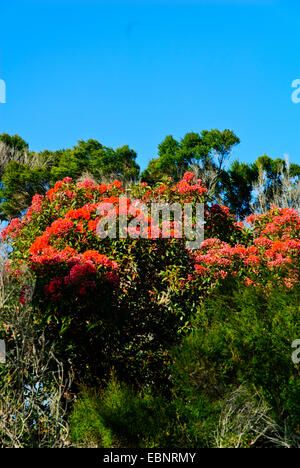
x,y
208,150
238,183
24,173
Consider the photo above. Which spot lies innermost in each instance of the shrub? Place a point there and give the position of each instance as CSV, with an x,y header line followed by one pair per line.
x,y
243,338
119,416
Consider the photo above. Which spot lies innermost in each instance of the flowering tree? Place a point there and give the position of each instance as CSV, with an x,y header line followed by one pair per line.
x,y
122,301
103,301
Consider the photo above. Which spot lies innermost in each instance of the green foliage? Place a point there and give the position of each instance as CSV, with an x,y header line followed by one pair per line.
x,y
206,153
25,173
233,383
98,160
14,142
242,336
238,182
20,184
210,149
117,416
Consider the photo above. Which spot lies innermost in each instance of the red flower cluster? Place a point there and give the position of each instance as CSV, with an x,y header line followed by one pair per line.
x,y
278,223
59,241
36,206
12,230
273,256
187,190
83,272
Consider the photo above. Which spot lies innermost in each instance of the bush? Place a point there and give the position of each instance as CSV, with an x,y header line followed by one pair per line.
x,y
243,338
118,416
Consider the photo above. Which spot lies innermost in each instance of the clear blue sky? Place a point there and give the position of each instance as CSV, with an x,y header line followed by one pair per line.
x,y
128,72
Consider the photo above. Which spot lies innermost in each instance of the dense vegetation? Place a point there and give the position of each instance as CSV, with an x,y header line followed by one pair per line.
x,y
238,185
137,341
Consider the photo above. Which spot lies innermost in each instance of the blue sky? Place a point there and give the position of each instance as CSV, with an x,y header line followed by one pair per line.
x,y
129,72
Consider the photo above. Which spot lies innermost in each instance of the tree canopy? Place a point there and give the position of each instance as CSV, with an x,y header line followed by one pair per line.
x,y
25,173
239,185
